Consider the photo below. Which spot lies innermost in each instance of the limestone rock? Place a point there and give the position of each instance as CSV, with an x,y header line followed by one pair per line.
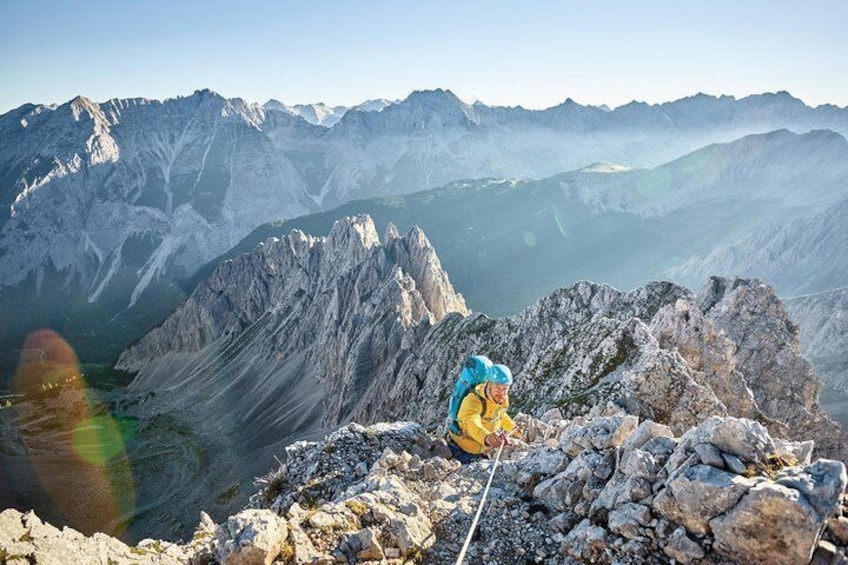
x,y
629,520
371,548
251,537
838,527
768,354
710,455
749,533
682,548
585,542
693,497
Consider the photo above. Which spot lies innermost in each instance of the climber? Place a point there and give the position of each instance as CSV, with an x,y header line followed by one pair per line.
x,y
482,417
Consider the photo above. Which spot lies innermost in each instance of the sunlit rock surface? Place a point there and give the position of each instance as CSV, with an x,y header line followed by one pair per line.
x,y
386,493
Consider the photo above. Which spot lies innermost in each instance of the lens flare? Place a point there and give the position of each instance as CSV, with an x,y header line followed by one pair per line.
x,y
529,239
97,440
73,443
561,224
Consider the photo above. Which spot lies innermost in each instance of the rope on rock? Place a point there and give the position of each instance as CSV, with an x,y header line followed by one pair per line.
x,y
461,555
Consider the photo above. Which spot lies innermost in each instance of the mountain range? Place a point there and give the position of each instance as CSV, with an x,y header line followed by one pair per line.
x,y
108,209
322,115
189,236
626,227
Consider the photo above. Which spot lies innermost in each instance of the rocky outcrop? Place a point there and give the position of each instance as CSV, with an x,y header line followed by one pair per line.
x,y
26,539
331,311
595,488
600,489
767,345
659,352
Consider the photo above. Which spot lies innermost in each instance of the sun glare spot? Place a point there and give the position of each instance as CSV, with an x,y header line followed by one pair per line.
x,y
77,445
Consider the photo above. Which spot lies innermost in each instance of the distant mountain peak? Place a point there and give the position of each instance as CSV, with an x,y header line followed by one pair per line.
x,y
80,104
605,167
205,93
634,104
437,95
780,97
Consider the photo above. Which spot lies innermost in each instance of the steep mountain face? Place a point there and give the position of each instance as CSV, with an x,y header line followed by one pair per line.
x,y
312,308
804,255
92,189
824,341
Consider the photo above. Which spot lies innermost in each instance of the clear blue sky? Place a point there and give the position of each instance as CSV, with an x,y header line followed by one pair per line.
x,y
535,54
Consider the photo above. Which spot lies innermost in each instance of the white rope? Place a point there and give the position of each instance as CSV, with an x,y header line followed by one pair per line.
x,y
479,509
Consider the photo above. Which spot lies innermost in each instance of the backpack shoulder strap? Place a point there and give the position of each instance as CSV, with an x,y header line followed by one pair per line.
x,y
482,402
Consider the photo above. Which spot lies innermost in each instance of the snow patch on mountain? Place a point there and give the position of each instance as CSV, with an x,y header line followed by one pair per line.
x,y
603,167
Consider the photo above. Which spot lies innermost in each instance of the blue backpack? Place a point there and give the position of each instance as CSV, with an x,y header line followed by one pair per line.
x,y
473,373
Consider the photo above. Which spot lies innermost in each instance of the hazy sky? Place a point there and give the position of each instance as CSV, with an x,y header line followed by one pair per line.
x,y
535,54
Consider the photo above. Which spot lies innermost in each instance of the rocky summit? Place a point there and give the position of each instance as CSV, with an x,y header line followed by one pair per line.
x,y
602,488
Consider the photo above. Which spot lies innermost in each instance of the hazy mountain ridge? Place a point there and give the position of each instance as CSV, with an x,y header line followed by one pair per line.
x,y
642,223
801,256
178,182
823,318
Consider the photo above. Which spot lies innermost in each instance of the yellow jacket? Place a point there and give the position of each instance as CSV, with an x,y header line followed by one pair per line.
x,y
476,425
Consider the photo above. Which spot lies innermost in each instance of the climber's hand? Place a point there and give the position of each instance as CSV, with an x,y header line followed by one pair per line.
x,y
495,440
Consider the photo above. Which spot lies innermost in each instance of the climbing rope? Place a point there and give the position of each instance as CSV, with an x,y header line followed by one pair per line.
x,y
479,508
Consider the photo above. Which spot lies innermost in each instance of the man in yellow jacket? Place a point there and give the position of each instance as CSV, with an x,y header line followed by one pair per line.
x,y
482,417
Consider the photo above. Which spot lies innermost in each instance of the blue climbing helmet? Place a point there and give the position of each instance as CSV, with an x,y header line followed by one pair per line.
x,y
499,374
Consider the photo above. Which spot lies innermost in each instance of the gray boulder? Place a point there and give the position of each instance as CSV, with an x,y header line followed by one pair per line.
x,y
251,537
771,524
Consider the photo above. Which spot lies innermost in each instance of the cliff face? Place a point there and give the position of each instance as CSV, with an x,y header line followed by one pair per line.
x,y
320,314
823,318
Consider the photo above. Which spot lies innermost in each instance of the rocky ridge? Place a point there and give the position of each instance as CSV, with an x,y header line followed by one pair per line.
x,y
334,310
660,351
602,488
